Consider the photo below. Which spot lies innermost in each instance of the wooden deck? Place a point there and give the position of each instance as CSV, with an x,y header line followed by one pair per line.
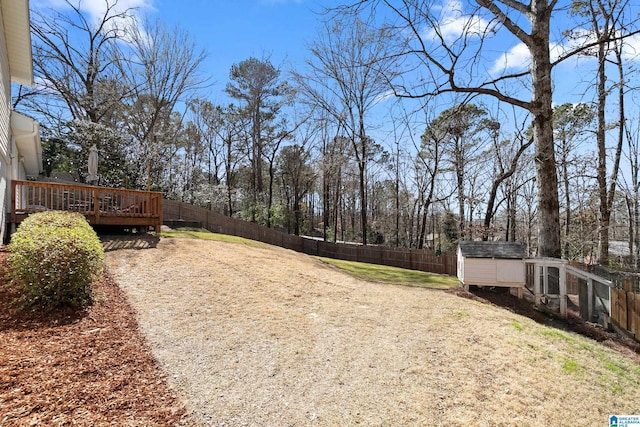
x,y
100,205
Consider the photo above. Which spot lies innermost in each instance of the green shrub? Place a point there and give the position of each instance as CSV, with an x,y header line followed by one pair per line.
x,y
54,257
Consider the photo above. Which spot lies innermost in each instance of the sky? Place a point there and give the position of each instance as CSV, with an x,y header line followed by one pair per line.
x,y
231,31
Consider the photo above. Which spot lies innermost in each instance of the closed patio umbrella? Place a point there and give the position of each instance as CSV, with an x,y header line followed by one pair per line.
x,y
93,164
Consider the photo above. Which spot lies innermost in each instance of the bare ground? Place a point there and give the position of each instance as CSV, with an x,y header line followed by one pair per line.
x,y
265,336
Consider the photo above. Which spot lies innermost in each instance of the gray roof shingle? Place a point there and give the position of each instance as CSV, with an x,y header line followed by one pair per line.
x,y
503,250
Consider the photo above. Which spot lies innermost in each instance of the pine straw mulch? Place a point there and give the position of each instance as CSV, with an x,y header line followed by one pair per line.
x,y
80,368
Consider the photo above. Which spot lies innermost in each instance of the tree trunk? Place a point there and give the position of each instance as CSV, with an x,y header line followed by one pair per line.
x,y
605,215
460,183
567,199
363,201
549,216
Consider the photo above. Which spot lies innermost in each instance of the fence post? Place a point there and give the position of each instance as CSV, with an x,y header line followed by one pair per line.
x,y
590,298
536,284
563,290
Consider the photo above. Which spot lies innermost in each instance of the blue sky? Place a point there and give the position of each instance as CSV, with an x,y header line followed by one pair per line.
x,y
232,31
229,31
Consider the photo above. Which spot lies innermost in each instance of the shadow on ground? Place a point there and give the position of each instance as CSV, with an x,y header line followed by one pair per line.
x,y
129,241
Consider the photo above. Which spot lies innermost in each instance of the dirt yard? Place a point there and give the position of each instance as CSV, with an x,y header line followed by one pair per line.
x,y
264,336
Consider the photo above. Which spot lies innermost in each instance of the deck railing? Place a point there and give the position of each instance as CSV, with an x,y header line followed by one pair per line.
x,y
100,205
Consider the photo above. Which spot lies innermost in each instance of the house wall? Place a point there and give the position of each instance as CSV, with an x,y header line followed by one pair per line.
x,y
5,128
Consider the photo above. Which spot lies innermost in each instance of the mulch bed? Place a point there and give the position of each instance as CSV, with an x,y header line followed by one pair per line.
x,y
80,368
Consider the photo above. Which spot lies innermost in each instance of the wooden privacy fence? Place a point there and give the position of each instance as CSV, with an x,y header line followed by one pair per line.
x,y
414,259
625,310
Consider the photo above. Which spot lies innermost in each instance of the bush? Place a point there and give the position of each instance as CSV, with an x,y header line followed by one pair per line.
x,y
54,257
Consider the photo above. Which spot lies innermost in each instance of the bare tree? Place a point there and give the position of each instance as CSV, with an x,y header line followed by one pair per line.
x,y
632,189
507,155
570,124
428,162
604,18
76,64
165,69
231,127
297,177
442,60
348,75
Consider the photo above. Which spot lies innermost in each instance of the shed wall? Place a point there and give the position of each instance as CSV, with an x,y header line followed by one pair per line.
x,y
510,271
479,271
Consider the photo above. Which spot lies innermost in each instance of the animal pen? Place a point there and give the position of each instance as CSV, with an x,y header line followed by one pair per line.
x,y
554,283
551,284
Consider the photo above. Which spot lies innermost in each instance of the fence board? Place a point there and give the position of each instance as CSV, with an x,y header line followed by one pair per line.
x,y
636,316
620,309
615,303
632,313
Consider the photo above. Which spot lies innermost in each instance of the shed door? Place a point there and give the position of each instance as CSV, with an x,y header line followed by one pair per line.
x,y
510,271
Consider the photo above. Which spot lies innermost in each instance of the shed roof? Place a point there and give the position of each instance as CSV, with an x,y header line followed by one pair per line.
x,y
503,250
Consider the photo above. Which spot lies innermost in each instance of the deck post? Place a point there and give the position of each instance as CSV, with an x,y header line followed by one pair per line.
x,y
13,202
96,205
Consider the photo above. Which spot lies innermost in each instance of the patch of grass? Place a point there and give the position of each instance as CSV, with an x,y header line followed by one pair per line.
x,y
570,366
395,275
190,233
555,333
516,325
610,366
462,314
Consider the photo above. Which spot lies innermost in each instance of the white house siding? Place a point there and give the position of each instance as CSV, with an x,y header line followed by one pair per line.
x,y
5,128
5,96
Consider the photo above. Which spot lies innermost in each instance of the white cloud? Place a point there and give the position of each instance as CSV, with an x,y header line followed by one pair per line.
x,y
518,57
383,97
95,9
582,37
454,22
631,48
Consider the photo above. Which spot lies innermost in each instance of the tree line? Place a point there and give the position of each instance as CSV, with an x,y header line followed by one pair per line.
x,y
396,130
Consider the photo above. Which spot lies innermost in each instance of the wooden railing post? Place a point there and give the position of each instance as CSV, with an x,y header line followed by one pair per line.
x,y
96,205
13,201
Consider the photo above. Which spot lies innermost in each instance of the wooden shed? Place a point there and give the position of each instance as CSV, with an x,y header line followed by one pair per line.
x,y
492,264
